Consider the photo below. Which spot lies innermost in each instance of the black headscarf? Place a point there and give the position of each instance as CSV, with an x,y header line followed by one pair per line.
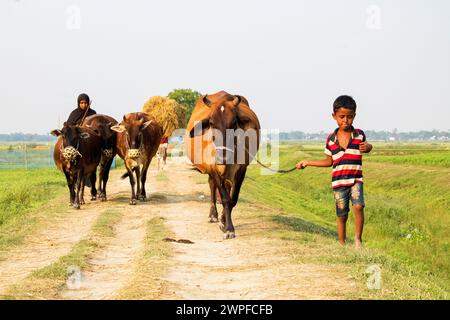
x,y
83,96
77,115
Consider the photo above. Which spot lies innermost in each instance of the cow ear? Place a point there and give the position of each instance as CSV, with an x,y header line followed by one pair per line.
x,y
146,124
85,135
118,128
247,118
55,132
199,128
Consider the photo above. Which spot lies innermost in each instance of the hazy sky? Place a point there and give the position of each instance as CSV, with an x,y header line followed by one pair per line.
x,y
290,59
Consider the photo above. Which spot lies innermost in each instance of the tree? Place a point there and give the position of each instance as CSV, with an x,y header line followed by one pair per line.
x,y
185,97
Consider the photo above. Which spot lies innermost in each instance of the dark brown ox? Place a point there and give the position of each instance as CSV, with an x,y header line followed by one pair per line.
x,y
138,137
222,139
77,153
102,124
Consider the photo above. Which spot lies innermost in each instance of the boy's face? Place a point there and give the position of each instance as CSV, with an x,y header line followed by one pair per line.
x,y
83,104
344,118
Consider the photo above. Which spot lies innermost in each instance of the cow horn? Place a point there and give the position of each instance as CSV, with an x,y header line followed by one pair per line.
x,y
206,100
236,100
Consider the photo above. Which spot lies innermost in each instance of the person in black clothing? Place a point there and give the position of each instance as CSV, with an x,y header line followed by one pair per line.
x,y
77,115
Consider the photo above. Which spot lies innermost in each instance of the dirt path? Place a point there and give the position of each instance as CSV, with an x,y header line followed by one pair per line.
x,y
248,267
53,240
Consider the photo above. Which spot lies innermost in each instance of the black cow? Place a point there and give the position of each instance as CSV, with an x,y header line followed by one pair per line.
x,y
77,153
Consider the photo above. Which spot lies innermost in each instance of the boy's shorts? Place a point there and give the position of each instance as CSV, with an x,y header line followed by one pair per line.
x,y
342,195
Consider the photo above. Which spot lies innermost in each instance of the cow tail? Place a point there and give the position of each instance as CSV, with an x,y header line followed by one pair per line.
x,y
125,175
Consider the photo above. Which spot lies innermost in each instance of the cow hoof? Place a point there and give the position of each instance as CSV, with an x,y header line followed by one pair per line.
x,y
142,197
82,202
93,198
213,220
76,206
229,235
102,199
133,202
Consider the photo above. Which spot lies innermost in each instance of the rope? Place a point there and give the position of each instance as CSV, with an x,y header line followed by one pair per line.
x,y
276,171
267,167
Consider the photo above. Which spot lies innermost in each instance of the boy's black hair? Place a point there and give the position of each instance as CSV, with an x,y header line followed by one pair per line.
x,y
346,102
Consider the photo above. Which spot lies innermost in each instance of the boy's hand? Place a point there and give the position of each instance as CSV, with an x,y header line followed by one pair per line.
x,y
302,164
365,147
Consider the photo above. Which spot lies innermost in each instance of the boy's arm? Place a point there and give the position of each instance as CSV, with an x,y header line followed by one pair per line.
x,y
365,147
327,162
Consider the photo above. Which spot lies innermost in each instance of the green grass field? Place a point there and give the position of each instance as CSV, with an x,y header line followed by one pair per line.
x,y
24,190
407,206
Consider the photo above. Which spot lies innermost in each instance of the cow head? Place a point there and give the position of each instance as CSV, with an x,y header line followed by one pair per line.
x,y
71,139
224,119
107,135
132,132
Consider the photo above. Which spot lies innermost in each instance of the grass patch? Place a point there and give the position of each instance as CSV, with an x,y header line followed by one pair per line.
x,y
24,190
27,197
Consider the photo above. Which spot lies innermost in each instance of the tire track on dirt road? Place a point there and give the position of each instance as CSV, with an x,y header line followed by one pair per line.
x,y
112,267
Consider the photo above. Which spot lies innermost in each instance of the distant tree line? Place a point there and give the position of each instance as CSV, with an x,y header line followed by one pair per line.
x,y
375,135
29,137
434,135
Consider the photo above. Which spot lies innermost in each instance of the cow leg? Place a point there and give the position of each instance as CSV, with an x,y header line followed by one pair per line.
x,y
77,189
143,195
82,192
104,177
138,182
240,175
227,224
223,214
70,185
132,183
101,184
93,179
213,215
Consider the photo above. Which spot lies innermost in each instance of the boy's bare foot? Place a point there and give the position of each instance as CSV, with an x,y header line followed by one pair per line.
x,y
358,244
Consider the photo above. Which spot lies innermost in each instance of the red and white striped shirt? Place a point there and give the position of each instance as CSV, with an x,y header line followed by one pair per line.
x,y
347,163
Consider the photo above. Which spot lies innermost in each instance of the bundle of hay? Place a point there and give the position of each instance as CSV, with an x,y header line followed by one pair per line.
x,y
167,112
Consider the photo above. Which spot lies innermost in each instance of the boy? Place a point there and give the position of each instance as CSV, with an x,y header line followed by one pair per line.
x,y
343,151
77,115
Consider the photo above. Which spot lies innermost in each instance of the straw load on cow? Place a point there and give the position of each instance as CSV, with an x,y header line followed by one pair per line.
x,y
169,114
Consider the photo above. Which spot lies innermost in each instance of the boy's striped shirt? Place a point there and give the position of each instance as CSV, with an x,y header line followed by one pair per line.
x,y
347,163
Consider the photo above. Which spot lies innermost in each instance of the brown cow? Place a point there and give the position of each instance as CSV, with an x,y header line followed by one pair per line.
x,y
138,137
102,124
77,153
222,139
